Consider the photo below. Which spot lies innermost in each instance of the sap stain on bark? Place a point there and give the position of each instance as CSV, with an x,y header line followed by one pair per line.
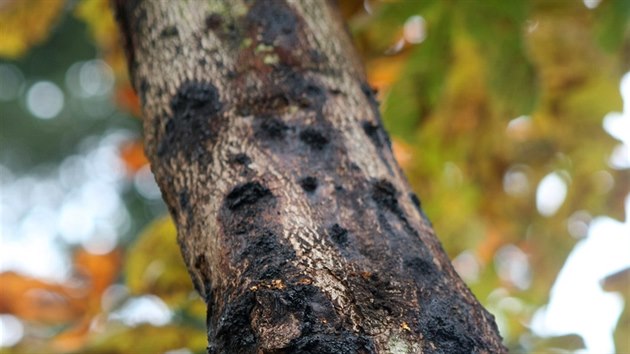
x,y
314,138
169,31
371,131
305,304
335,91
233,332
309,184
284,87
143,90
416,202
375,295
339,235
377,134
203,285
333,343
240,159
195,107
370,94
317,319
184,212
247,218
246,194
386,196
184,203
312,96
213,21
423,271
251,235
448,327
267,257
381,141
270,127
273,20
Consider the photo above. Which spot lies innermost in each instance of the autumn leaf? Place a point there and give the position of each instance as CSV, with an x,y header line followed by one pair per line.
x,y
155,265
25,23
127,99
132,153
36,300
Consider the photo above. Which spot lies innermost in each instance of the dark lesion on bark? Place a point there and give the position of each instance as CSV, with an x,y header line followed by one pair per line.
x,y
309,184
194,122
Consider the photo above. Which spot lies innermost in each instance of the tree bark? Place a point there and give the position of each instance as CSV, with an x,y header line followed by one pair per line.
x,y
296,224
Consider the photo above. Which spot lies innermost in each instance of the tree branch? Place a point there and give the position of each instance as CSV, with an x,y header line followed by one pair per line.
x,y
297,226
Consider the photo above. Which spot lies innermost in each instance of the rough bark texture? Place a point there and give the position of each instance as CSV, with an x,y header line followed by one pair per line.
x,y
297,226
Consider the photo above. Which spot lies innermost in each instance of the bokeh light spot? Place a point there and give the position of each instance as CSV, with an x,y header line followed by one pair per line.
x,y
551,192
11,330
415,29
44,100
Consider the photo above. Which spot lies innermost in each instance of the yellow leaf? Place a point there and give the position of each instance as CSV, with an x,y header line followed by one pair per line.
x,y
155,265
99,17
149,339
24,23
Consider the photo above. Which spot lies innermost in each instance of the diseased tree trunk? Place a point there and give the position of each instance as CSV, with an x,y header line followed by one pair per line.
x,y
296,224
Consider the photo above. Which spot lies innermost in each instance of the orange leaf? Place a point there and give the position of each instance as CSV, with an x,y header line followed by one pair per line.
x,y
100,270
36,300
402,153
383,71
133,155
74,338
128,100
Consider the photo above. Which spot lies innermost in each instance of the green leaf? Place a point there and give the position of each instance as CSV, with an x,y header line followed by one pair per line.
x,y
499,26
613,23
418,90
155,266
148,339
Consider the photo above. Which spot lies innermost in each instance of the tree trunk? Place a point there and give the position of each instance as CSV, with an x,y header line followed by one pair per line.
x,y
296,224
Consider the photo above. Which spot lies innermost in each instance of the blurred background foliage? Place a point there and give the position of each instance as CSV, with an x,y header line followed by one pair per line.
x,y
497,111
